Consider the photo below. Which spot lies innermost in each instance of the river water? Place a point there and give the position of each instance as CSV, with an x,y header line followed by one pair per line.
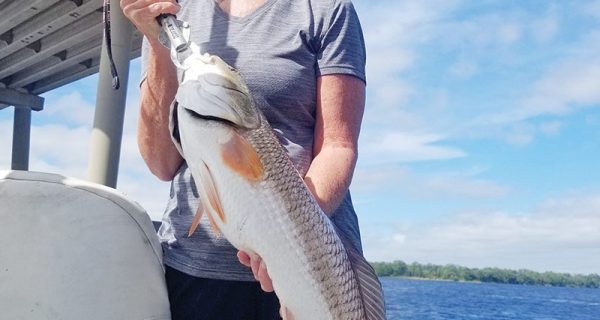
x,y
423,299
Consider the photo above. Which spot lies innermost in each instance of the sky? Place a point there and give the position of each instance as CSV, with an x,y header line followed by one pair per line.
x,y
479,144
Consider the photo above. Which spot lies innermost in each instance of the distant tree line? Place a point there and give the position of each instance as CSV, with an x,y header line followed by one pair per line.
x,y
496,275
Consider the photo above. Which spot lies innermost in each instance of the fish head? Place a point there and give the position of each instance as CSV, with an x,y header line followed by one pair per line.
x,y
210,117
213,90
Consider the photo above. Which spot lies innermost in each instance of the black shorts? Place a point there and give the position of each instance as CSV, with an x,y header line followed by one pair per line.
x,y
195,298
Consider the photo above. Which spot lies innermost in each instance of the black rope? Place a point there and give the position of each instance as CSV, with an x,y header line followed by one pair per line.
x,y
108,41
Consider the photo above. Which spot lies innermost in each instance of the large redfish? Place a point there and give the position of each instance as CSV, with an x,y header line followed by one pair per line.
x,y
255,197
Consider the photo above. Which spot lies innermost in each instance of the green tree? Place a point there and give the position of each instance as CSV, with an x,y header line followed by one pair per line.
x,y
458,273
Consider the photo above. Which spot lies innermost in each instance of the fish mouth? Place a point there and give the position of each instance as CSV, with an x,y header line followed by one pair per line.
x,y
207,121
209,118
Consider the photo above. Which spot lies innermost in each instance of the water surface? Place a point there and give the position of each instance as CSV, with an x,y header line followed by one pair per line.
x,y
423,299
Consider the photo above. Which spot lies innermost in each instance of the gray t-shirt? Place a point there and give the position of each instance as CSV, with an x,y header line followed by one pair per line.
x,y
280,49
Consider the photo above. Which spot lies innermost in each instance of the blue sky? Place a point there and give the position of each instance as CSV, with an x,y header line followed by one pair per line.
x,y
479,144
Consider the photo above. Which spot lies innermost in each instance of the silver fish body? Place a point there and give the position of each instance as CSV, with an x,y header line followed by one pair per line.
x,y
253,194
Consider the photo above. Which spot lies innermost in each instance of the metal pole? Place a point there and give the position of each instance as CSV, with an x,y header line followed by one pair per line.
x,y
21,138
105,144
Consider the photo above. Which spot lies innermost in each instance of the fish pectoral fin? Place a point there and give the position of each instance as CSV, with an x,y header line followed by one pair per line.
x,y
196,220
370,288
240,156
209,197
210,190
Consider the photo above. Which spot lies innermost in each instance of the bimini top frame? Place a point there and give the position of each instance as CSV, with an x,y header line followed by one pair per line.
x,y
45,44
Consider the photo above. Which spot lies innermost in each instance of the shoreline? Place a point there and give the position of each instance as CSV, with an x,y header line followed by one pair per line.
x,y
487,282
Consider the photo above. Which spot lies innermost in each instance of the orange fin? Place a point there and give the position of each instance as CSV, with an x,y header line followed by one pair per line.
x,y
239,155
196,220
210,189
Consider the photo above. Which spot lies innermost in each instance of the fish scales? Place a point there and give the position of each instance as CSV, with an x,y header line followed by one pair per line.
x,y
311,229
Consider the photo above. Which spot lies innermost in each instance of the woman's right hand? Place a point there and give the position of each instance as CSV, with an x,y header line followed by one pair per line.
x,y
143,14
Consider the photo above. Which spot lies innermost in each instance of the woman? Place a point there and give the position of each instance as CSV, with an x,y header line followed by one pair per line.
x,y
303,61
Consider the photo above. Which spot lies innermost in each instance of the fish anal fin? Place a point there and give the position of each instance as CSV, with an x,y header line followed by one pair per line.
x,y
240,156
370,288
196,220
210,189
214,226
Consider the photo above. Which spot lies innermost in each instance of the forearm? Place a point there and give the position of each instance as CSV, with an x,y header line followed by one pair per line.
x,y
157,90
330,174
157,93
340,106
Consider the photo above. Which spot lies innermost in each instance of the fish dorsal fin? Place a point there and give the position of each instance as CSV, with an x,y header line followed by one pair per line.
x,y
241,157
368,283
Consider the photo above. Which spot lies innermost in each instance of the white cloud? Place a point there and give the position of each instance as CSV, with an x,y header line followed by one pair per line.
x,y
418,48
562,89
566,86
58,147
373,179
388,94
444,185
396,180
401,37
392,33
520,133
71,108
497,30
550,128
561,234
408,147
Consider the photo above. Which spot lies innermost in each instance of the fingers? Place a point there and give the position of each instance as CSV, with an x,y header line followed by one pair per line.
x,y
244,258
263,276
259,269
255,265
143,13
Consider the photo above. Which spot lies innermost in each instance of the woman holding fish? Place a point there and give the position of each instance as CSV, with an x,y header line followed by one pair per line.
x,y
303,62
